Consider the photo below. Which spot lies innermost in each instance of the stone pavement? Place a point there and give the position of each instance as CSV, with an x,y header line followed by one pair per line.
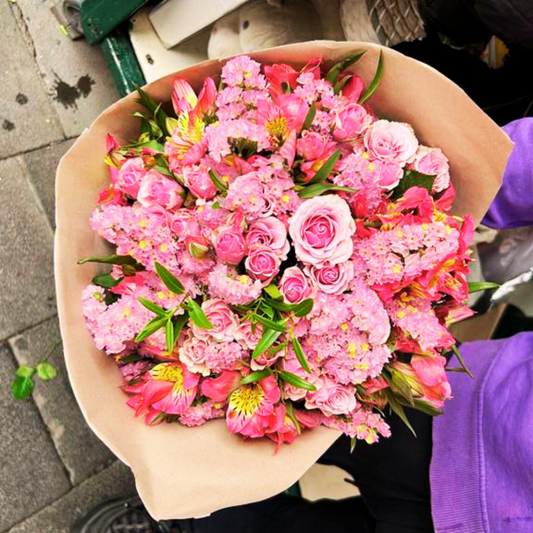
x,y
53,468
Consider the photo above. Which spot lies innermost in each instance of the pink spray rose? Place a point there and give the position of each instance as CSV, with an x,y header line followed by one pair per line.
x,y
199,183
184,224
192,355
269,232
310,145
223,319
229,245
391,141
294,286
389,173
351,122
158,190
333,279
331,397
433,162
262,263
322,229
130,176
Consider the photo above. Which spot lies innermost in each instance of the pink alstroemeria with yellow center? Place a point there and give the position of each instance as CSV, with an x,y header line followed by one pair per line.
x,y
170,388
186,145
250,407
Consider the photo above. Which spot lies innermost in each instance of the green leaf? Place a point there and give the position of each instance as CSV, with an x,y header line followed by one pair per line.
x,y
341,83
300,355
171,282
133,358
273,292
273,350
461,361
334,72
295,380
318,188
46,371
22,388
412,178
255,376
353,442
278,326
128,270
150,328
326,169
290,413
151,306
400,386
155,109
219,184
106,280
112,260
179,322
399,410
25,371
269,312
309,117
169,335
268,338
476,286
198,316
304,308
427,408
280,306
375,82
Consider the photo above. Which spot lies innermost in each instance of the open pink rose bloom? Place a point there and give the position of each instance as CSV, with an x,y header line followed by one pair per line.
x,y
270,264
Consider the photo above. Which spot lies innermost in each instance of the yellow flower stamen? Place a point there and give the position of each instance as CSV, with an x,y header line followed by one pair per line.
x,y
371,167
247,399
163,247
162,295
365,155
285,198
168,372
344,326
401,314
142,244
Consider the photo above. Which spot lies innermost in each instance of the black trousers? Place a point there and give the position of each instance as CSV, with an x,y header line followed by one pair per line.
x,y
392,475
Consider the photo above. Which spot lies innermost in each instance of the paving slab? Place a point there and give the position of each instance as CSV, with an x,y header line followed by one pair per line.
x,y
82,453
27,296
27,118
32,473
41,166
116,481
75,73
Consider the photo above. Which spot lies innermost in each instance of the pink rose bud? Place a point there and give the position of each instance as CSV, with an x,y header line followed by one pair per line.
x,y
322,229
158,190
353,88
391,141
199,183
310,145
351,122
198,246
262,263
130,176
229,245
294,286
332,279
271,233
433,162
184,224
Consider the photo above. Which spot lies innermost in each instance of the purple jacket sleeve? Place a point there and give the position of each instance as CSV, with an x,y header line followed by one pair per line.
x,y
513,205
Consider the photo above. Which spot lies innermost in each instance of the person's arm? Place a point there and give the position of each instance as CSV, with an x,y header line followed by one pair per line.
x,y
513,205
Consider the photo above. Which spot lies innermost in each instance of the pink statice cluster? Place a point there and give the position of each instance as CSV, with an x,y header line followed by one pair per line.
x,y
283,258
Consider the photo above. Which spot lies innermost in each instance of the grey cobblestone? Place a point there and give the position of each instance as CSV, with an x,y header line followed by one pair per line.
x,y
80,450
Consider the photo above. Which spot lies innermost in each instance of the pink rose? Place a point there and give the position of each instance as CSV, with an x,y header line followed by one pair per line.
x,y
331,398
351,122
158,190
310,145
192,355
294,286
199,183
248,336
391,141
184,224
332,279
433,162
130,176
262,263
223,319
229,245
271,233
322,229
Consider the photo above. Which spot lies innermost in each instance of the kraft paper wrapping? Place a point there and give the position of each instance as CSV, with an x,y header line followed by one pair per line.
x,y
191,472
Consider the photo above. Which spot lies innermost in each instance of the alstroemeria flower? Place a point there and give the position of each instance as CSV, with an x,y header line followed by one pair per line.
x,y
250,407
169,388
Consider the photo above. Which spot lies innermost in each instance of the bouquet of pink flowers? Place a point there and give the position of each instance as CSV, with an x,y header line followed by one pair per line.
x,y
283,257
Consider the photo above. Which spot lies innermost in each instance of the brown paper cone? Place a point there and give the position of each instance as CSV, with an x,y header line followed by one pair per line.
x,y
191,472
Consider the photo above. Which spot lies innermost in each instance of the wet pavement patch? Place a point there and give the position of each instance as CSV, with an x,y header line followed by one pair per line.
x,y
68,95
